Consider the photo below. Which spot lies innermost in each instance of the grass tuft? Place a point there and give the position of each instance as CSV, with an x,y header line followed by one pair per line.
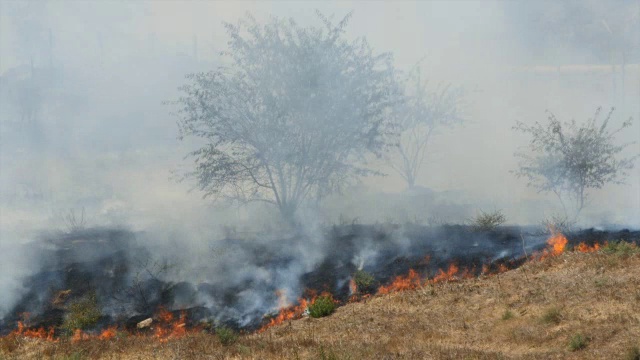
x,y
552,316
227,336
578,342
508,314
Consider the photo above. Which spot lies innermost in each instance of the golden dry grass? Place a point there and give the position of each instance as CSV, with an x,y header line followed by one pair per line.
x,y
595,295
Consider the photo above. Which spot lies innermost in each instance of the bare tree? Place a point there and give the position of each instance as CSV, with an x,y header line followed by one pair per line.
x,y
567,158
422,114
294,115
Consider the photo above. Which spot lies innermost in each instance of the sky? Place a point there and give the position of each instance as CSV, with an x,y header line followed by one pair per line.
x,y
105,141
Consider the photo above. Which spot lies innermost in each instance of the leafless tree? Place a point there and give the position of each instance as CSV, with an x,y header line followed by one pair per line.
x,y
423,113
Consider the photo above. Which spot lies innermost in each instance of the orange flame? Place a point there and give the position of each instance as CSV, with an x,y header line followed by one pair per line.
x,y
584,248
108,333
401,283
446,276
353,288
557,243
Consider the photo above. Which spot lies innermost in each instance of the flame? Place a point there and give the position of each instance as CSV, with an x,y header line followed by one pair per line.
x,y
288,313
401,283
584,248
353,288
79,335
446,276
108,333
39,333
557,243
168,327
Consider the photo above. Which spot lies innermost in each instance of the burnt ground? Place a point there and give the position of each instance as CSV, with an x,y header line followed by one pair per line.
x,y
130,283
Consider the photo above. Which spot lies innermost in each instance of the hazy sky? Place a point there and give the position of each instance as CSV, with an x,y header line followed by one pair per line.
x,y
110,140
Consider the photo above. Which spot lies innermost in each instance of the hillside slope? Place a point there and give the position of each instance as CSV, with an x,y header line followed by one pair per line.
x,y
532,312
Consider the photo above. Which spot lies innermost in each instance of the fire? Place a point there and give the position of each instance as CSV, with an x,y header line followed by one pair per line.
x,y
39,333
557,243
584,248
79,335
168,327
288,313
353,288
446,276
401,283
108,333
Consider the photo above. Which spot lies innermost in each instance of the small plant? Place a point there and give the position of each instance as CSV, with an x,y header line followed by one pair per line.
x,y
621,248
365,282
552,316
508,314
633,353
578,342
322,306
82,314
227,336
486,221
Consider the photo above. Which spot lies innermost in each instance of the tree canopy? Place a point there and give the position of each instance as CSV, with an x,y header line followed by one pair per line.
x,y
294,115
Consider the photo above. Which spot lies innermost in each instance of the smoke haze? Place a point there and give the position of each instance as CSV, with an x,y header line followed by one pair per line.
x,y
85,139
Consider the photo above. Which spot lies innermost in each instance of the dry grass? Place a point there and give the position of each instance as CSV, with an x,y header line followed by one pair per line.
x,y
457,320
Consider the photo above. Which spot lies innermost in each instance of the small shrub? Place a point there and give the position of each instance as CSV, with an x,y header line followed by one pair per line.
x,y
621,248
82,314
227,336
633,353
558,223
578,342
552,316
507,315
322,306
485,221
365,282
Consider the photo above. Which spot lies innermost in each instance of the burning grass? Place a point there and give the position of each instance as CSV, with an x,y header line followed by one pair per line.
x,y
451,315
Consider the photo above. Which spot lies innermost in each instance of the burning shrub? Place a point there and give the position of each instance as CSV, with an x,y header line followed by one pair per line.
x,y
226,335
322,306
578,342
365,282
82,314
486,221
552,316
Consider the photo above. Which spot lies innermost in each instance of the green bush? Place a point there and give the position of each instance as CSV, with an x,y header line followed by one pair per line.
x,y
365,282
322,306
82,314
621,248
227,336
578,342
486,221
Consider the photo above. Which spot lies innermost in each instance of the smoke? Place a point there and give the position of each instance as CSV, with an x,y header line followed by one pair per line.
x,y
82,126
